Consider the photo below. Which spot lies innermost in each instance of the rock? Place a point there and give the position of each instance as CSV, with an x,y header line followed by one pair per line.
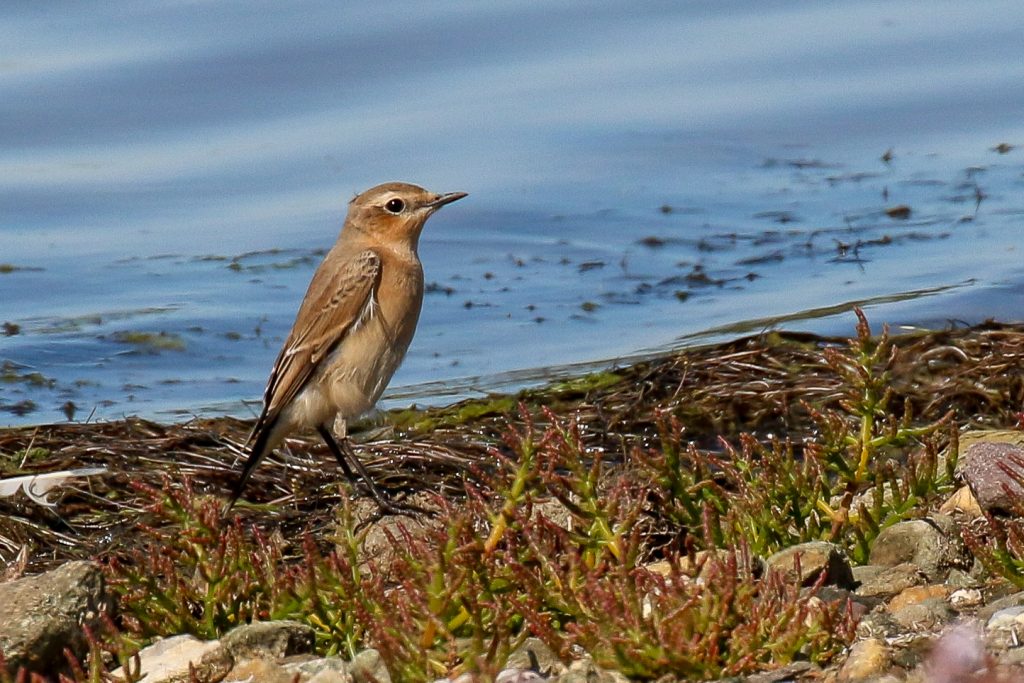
x,y
814,558
866,572
984,466
1006,618
269,639
535,655
912,651
928,615
368,667
261,670
330,676
965,598
885,582
1012,657
1003,628
41,615
918,542
958,578
168,660
381,533
878,624
973,436
697,568
518,676
585,671
963,503
859,605
747,564
868,658
988,611
786,673
328,668
918,594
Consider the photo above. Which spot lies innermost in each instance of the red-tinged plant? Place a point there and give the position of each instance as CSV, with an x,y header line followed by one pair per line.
x,y
108,646
775,497
645,624
684,482
603,508
194,573
865,442
998,541
330,593
551,542
772,494
457,611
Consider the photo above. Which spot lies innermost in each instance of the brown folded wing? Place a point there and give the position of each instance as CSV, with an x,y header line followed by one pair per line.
x,y
341,294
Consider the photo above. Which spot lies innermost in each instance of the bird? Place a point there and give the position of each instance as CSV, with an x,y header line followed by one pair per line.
x,y
352,329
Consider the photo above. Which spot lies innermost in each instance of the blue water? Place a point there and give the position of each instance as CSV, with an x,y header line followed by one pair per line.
x,y
642,176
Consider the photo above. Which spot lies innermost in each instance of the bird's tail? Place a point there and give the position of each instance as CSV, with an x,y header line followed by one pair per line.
x,y
258,446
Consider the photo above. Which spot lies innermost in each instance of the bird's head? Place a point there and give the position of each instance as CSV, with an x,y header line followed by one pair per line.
x,y
395,211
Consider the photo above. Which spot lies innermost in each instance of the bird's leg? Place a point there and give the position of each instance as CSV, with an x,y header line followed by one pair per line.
x,y
339,455
344,455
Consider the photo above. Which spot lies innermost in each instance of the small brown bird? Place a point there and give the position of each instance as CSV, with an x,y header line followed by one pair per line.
x,y
352,329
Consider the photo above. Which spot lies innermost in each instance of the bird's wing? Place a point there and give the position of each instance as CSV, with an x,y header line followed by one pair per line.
x,y
341,294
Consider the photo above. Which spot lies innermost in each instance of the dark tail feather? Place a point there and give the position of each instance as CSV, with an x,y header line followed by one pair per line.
x,y
259,439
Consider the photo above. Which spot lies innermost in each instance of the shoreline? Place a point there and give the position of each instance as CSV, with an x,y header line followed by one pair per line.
x,y
733,430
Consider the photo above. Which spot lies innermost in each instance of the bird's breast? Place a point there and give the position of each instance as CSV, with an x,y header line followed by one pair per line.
x,y
360,367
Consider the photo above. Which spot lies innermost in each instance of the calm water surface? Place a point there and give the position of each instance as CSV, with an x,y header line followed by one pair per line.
x,y
642,176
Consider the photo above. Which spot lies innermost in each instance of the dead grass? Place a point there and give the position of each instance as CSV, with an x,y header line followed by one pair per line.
x,y
761,386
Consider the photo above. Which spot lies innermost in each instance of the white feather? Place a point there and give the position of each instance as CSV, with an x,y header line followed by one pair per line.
x,y
37,486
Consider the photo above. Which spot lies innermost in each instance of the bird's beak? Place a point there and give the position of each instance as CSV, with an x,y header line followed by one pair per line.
x,y
446,199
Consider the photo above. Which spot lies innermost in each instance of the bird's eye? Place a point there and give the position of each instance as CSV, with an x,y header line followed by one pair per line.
x,y
394,206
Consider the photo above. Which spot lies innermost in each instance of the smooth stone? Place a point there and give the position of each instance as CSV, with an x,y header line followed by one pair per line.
x,y
919,542
929,615
983,466
368,667
918,594
169,660
868,658
518,676
262,670
962,502
1008,617
585,671
43,614
273,639
884,582
310,668
992,608
815,558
